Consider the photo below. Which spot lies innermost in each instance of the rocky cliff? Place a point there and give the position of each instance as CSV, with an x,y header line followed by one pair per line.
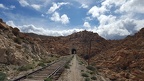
x,y
83,42
124,60
18,50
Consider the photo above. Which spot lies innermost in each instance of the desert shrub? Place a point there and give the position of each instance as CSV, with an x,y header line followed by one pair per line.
x,y
67,66
48,79
85,75
41,64
81,63
93,78
25,68
91,72
17,40
82,70
87,79
2,76
90,68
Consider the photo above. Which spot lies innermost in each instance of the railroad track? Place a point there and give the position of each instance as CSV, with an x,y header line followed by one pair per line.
x,y
52,70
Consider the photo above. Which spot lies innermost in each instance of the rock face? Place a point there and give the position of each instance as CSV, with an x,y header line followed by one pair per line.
x,y
82,42
17,48
124,60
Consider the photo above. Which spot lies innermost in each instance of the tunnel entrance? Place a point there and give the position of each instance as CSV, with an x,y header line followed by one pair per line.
x,y
73,51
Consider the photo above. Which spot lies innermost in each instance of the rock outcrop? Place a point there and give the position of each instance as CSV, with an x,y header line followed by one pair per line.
x,y
82,42
124,60
17,48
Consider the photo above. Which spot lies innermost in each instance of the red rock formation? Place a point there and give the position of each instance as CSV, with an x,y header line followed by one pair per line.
x,y
124,60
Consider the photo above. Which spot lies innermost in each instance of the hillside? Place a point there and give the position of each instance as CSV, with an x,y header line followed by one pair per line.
x,y
119,60
82,42
19,51
124,60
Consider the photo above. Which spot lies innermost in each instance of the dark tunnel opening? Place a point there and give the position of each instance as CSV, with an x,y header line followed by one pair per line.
x,y
73,51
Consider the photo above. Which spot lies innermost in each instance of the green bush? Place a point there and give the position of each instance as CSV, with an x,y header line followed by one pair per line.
x,y
82,70
91,72
93,78
41,64
48,79
85,75
17,40
67,66
90,68
87,79
2,76
25,68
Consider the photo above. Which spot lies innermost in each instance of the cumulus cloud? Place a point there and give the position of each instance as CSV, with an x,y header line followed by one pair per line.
x,y
35,6
3,7
117,19
57,18
56,6
11,23
24,3
117,29
42,31
86,24
84,6
64,19
12,7
133,6
86,2
97,11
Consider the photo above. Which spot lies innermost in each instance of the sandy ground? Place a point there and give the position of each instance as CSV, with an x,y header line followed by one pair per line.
x,y
74,73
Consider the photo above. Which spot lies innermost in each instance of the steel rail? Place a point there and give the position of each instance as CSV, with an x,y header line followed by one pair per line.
x,y
48,65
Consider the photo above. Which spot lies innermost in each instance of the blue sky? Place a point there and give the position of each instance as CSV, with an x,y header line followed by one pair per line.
x,y
111,19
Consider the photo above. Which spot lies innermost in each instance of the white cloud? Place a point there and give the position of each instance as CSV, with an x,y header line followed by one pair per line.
x,y
86,24
42,15
42,31
96,11
31,4
3,7
112,28
35,6
55,17
133,6
84,6
11,23
117,19
63,19
53,8
86,2
12,7
104,20
56,6
24,3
